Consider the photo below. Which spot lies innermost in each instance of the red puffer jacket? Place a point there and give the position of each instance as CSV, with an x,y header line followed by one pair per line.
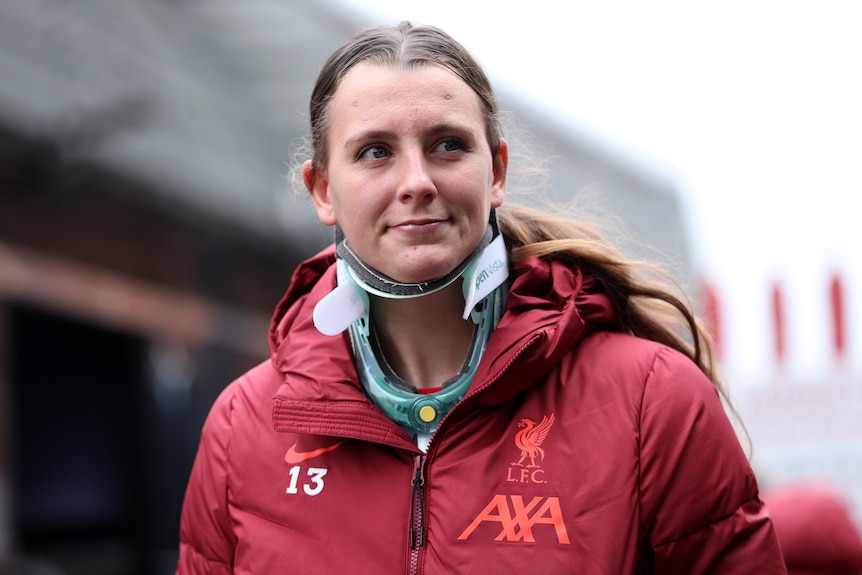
x,y
577,449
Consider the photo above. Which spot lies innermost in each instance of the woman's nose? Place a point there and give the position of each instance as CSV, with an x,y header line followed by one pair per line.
x,y
416,182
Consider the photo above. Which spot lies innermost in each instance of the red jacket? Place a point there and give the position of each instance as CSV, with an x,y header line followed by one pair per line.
x,y
577,449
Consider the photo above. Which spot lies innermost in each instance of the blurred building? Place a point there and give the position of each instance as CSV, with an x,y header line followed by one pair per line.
x,y
147,230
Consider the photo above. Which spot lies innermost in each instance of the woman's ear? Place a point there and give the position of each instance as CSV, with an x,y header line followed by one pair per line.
x,y
500,166
318,186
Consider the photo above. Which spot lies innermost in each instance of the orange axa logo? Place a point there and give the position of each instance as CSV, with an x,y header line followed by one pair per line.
x,y
517,519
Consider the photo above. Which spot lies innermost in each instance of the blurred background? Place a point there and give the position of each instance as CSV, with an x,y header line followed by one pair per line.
x,y
148,227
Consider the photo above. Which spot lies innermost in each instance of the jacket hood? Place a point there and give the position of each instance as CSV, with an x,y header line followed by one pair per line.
x,y
307,274
549,308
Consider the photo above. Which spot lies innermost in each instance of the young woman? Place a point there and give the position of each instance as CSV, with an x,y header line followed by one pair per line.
x,y
461,387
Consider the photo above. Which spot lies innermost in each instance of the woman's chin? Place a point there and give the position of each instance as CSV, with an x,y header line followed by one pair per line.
x,y
423,273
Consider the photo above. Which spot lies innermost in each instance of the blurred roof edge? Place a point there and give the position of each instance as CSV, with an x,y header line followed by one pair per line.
x,y
201,99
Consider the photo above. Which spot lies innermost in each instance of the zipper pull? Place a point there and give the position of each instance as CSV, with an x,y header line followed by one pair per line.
x,y
417,511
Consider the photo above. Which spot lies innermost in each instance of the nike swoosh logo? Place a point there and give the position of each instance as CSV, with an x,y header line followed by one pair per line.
x,y
293,456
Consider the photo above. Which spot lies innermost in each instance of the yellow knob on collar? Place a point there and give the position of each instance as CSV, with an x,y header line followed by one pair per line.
x,y
427,413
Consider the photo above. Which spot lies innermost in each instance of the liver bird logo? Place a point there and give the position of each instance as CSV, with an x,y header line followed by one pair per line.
x,y
529,439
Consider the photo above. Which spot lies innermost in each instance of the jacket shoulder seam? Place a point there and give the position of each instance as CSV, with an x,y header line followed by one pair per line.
x,y
647,376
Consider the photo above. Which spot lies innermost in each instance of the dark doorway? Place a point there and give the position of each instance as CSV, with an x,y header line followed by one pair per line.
x,y
80,453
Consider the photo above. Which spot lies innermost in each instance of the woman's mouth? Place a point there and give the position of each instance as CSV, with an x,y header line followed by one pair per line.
x,y
419,226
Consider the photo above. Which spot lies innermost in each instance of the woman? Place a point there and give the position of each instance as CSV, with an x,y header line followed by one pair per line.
x,y
459,387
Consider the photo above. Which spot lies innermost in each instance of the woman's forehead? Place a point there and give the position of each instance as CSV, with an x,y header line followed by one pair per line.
x,y
368,90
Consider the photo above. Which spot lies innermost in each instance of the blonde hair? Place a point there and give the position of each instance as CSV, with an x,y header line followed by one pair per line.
x,y
647,301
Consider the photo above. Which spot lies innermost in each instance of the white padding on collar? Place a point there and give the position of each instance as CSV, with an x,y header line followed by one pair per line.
x,y
342,306
490,271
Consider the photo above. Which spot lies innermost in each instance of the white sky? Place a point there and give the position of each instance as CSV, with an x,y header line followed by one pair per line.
x,y
751,107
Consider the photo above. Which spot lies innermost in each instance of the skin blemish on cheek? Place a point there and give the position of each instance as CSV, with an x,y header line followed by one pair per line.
x,y
447,97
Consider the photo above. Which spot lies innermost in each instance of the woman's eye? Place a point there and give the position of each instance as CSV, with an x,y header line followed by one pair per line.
x,y
374,152
450,145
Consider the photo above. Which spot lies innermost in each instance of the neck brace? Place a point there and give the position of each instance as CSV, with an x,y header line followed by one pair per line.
x,y
483,274
482,271
378,284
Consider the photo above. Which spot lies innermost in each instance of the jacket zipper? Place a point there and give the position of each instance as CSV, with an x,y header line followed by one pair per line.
x,y
417,505
417,512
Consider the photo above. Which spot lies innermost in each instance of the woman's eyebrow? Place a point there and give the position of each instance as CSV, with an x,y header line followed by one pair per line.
x,y
385,135
368,135
447,127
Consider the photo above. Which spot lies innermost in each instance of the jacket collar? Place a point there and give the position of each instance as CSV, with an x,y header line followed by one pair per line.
x,y
550,307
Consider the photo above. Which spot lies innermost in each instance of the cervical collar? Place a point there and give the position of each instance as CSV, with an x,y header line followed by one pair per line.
x,y
483,274
482,271
376,283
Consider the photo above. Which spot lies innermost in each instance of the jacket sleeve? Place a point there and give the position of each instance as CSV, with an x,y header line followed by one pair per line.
x,y
206,540
699,502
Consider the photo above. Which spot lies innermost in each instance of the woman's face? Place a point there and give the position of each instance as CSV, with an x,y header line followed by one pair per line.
x,y
410,176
